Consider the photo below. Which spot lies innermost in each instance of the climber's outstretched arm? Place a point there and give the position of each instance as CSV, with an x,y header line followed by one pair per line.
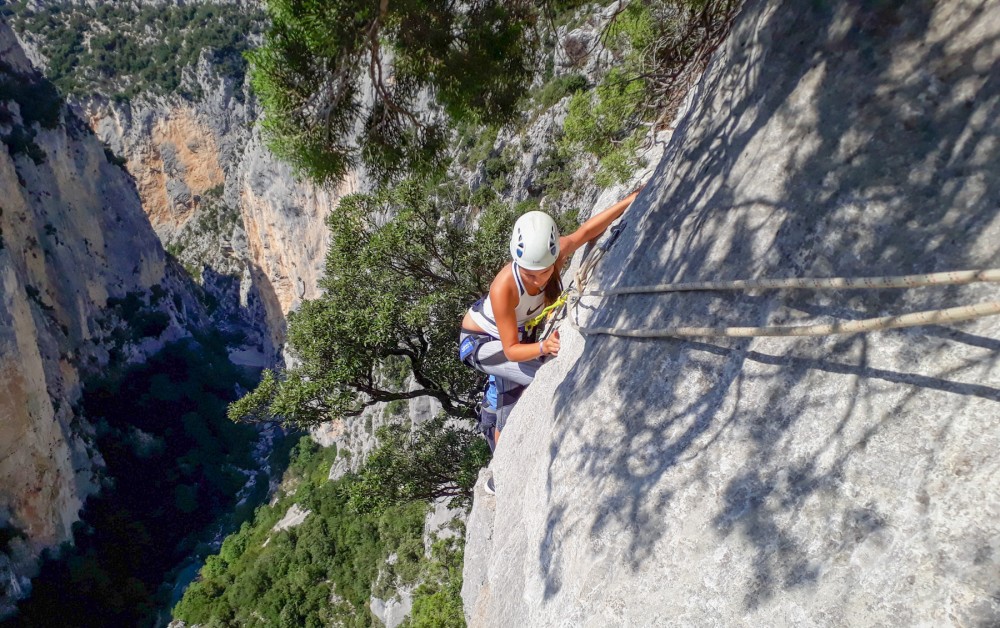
x,y
593,227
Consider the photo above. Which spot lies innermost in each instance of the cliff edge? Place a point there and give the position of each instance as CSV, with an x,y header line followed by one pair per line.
x,y
841,480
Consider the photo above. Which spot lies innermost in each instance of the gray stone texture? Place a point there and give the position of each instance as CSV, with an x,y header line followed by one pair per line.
x,y
772,482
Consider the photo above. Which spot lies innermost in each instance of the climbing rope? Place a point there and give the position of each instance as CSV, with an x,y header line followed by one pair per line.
x,y
831,283
930,317
577,290
548,311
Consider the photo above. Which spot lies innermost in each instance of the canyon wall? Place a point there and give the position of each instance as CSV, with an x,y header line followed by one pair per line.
x,y
189,157
74,242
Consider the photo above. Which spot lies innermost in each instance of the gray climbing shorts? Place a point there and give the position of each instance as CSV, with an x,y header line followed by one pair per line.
x,y
485,354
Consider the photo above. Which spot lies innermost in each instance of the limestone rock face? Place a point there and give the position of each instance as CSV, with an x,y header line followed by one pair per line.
x,y
831,481
393,611
194,161
285,223
72,237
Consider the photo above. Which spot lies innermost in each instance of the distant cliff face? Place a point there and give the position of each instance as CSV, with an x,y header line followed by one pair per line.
x,y
844,480
191,157
74,242
171,201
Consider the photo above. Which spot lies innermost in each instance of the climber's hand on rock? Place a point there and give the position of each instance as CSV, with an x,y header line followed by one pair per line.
x,y
550,346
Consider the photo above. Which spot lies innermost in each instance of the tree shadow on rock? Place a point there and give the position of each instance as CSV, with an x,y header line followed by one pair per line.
x,y
831,139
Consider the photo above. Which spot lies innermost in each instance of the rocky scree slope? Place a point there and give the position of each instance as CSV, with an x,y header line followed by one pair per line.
x,y
779,481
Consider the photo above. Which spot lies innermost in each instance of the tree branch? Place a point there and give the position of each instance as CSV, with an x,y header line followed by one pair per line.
x,y
375,69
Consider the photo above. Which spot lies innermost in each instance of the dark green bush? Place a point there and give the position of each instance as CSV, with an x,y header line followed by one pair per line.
x,y
560,87
21,141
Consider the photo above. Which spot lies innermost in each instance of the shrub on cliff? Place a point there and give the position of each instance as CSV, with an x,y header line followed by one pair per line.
x,y
662,47
436,460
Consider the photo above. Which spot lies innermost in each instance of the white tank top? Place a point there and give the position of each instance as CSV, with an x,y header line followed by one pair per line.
x,y
528,306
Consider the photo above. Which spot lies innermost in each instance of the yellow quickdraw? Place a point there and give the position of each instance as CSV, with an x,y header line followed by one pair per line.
x,y
548,311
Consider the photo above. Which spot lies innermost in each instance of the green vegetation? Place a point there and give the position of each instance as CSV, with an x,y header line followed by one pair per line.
x,y
606,121
113,159
141,319
394,292
552,175
474,61
128,320
36,97
174,466
319,573
662,46
432,462
475,66
602,123
37,102
395,408
124,50
558,88
204,236
437,602
474,143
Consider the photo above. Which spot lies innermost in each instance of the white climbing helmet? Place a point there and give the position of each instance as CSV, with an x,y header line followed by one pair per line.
x,y
534,245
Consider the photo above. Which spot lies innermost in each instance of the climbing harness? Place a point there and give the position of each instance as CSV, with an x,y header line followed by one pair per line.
x,y
577,290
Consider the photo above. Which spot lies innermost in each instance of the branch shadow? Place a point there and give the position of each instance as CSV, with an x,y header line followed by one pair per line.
x,y
827,139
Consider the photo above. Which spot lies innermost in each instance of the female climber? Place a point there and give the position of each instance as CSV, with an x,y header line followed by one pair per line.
x,y
493,339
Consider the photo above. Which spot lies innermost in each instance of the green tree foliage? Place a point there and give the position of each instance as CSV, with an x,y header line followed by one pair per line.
x,y
328,70
558,88
319,573
437,602
436,460
173,468
604,123
401,269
